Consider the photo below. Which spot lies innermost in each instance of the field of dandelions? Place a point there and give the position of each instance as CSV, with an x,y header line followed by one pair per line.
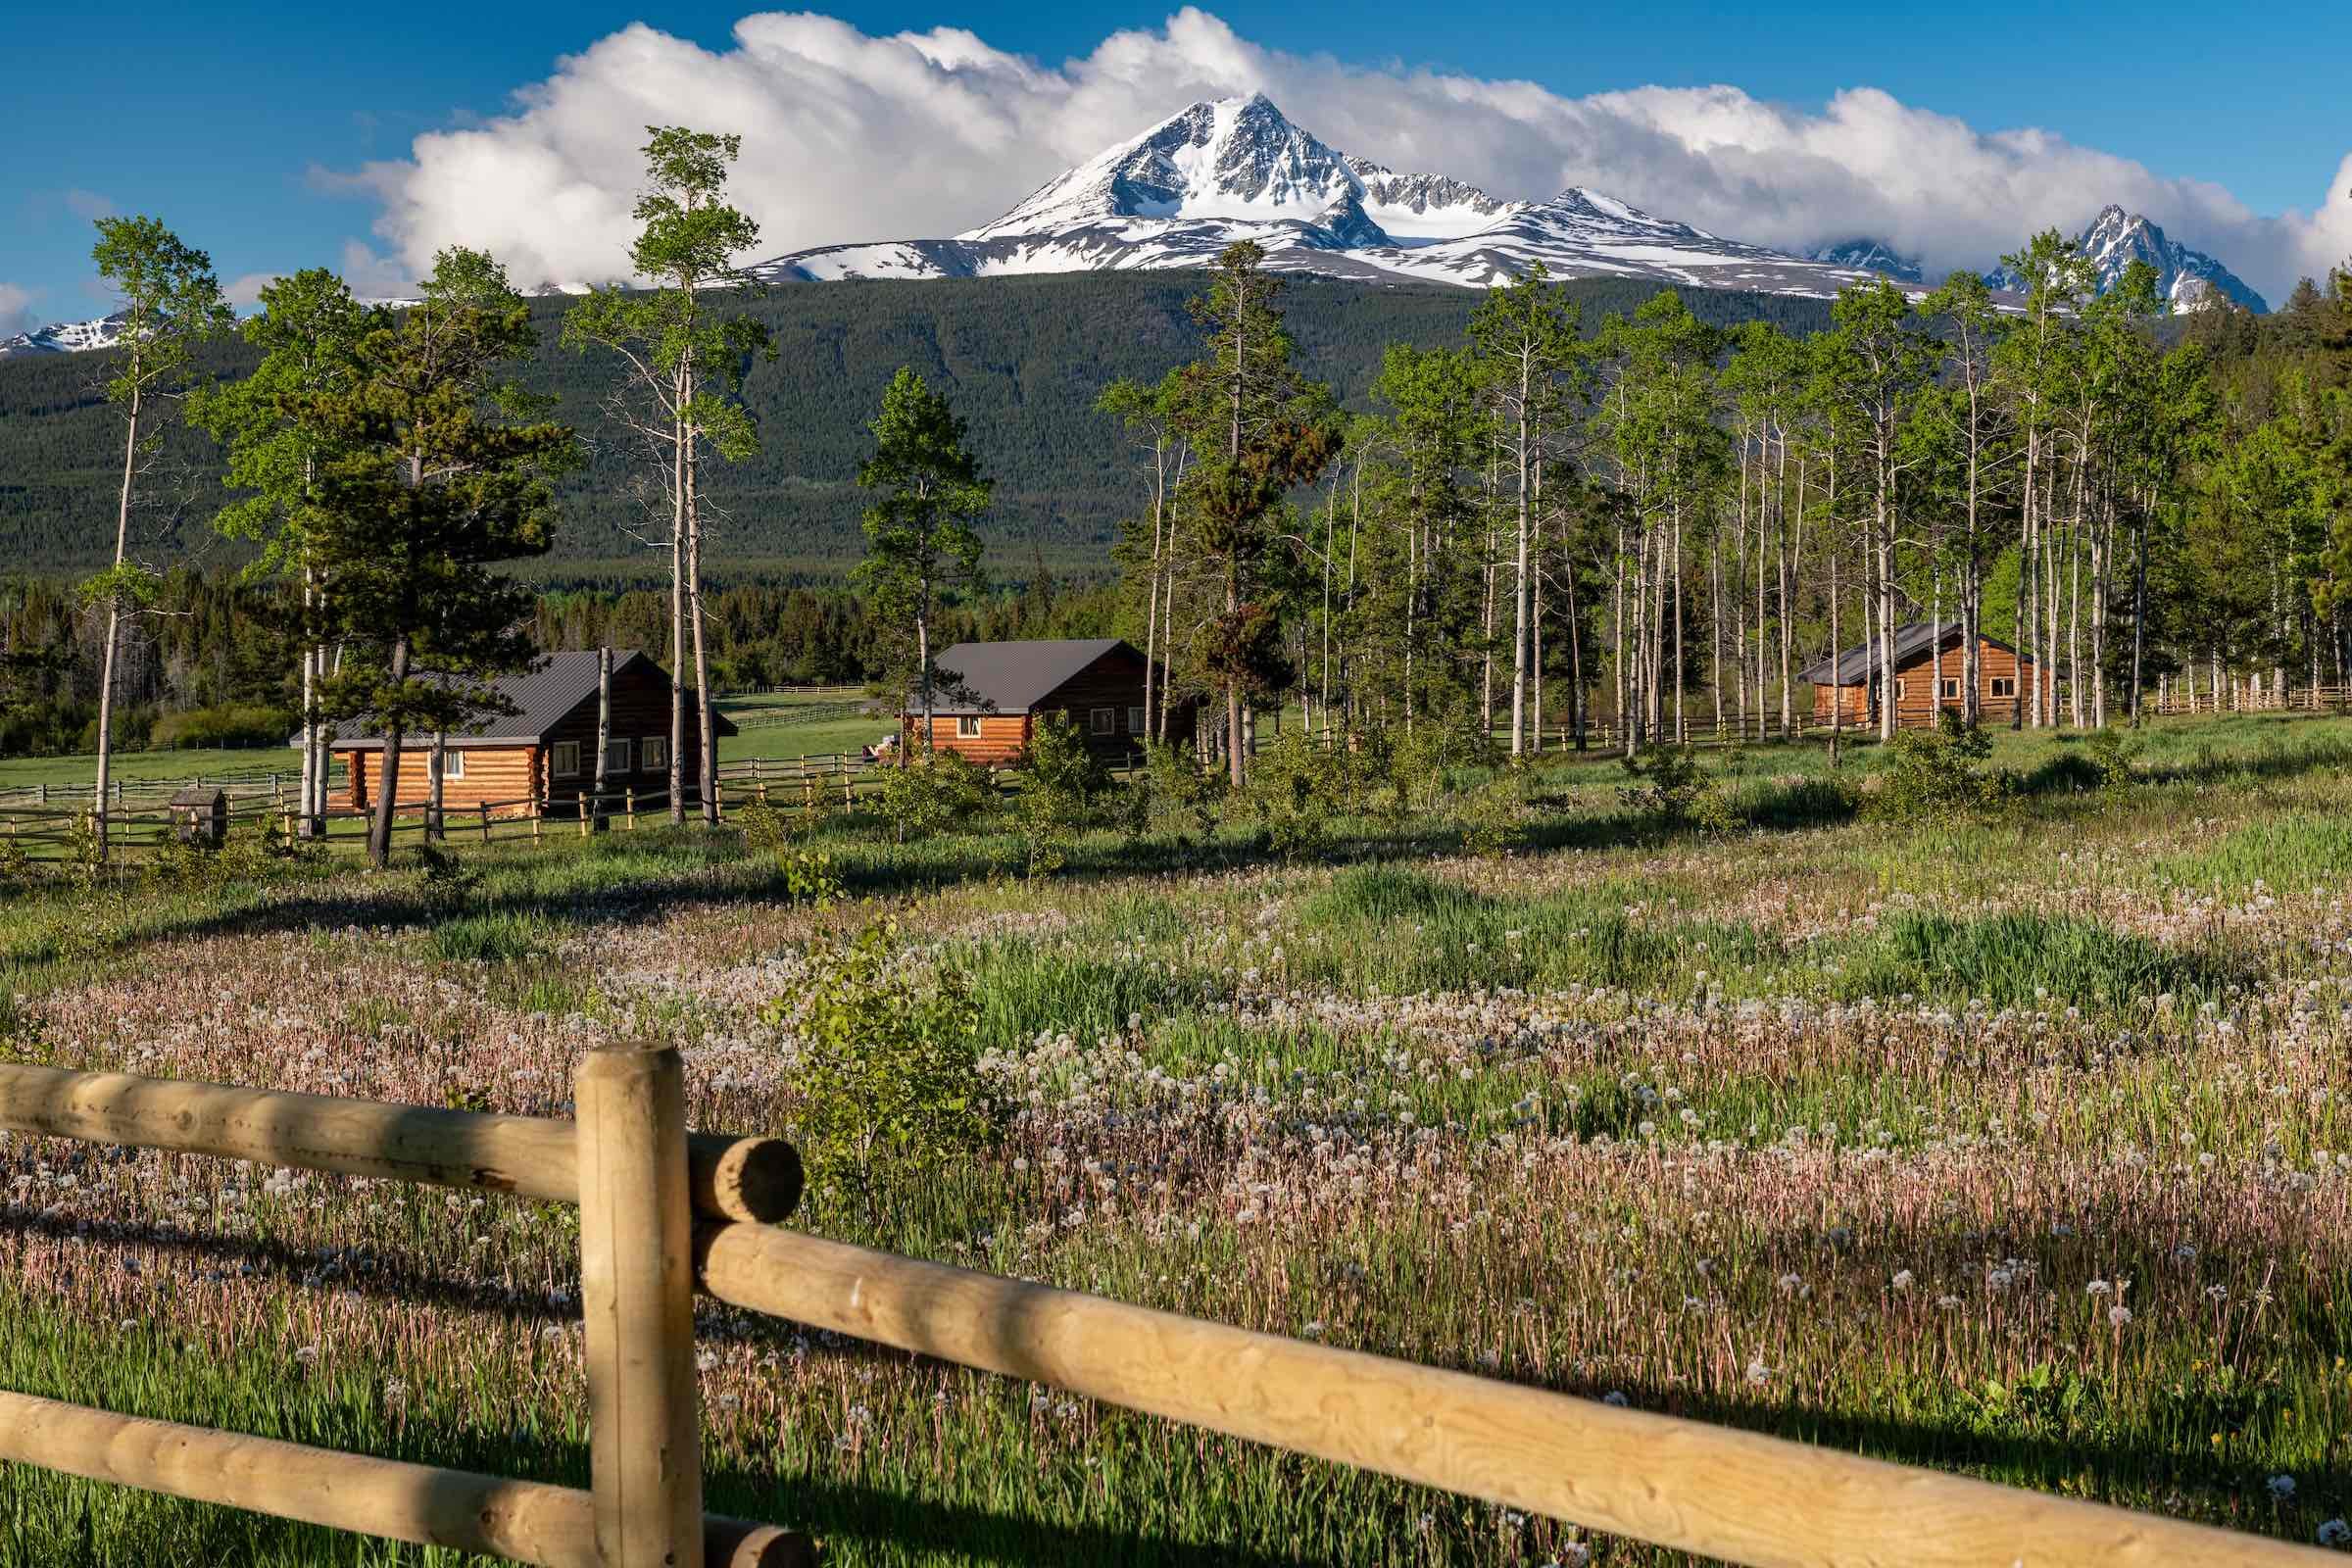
x,y
2015,1146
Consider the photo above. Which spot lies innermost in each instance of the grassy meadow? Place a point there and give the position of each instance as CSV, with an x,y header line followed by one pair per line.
x,y
2013,1142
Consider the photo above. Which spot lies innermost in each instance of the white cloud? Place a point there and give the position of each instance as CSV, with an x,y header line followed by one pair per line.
x,y
851,136
89,204
16,309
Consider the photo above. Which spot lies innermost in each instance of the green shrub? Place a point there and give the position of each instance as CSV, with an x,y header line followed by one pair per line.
x,y
1936,775
1296,785
932,792
766,829
251,853
229,724
1063,789
1491,816
809,878
1670,789
2112,753
889,1071
1178,792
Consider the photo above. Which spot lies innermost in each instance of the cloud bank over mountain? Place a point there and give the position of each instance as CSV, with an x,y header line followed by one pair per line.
x,y
851,136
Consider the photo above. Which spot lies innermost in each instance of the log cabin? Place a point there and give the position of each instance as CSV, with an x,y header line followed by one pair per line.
x,y
1928,669
987,698
542,757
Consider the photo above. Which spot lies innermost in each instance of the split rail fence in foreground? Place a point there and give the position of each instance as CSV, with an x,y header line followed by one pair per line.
x,y
663,1212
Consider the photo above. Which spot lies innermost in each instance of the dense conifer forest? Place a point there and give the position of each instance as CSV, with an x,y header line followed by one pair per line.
x,y
1023,359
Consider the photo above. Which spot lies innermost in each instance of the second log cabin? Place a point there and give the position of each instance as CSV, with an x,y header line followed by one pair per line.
x,y
1931,663
988,697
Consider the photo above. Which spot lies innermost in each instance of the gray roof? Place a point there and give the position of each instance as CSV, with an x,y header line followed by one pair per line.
x,y
1007,677
1855,666
544,696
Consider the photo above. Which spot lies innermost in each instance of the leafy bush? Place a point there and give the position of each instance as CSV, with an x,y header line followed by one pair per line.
x,y
16,866
1491,816
230,725
1178,792
251,853
1064,787
889,1065
766,829
1418,755
2112,753
809,878
1296,785
1671,790
1932,774
933,792
446,881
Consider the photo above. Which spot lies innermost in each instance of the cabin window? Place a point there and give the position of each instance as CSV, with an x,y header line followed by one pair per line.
x,y
616,757
653,754
2002,685
968,726
1899,688
1951,688
1102,721
1134,722
563,759
453,765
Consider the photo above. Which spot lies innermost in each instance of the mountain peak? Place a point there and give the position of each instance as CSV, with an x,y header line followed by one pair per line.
x,y
1231,169
2190,279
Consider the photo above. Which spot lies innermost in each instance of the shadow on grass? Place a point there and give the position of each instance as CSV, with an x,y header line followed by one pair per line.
x,y
2061,1428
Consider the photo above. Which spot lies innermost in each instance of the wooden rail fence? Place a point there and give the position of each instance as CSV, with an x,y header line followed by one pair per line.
x,y
663,1212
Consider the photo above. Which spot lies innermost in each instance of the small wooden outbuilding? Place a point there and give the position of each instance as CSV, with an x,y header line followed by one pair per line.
x,y
1930,666
199,816
987,698
543,756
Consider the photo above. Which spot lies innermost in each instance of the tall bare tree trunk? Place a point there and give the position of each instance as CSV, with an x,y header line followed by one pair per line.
x,y
603,729
100,806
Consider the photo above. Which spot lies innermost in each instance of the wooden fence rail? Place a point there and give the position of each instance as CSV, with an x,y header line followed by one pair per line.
x,y
638,1176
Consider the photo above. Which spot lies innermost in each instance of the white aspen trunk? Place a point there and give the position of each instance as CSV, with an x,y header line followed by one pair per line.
x,y
99,807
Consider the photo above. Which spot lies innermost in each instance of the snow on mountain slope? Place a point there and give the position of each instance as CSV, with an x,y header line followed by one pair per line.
x,y
1236,169
65,337
1870,256
2190,279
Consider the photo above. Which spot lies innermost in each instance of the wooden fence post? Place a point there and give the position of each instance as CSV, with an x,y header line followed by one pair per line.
x,y
637,1294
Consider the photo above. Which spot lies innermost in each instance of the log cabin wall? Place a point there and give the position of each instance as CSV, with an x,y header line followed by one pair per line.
x,y
1920,693
997,738
640,713
502,776
1112,686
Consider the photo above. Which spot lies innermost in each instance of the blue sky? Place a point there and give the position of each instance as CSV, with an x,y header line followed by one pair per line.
x,y
218,118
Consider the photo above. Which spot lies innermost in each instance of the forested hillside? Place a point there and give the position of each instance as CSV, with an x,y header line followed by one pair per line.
x,y
1023,357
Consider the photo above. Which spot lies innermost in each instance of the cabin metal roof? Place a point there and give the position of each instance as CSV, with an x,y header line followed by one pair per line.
x,y
1007,677
551,691
1856,665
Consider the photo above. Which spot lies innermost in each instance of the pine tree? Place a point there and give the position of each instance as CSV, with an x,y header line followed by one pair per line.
x,y
918,531
309,329
1258,429
440,471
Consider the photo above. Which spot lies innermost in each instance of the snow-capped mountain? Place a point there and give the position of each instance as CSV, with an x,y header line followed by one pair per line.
x,y
1236,169
1870,256
65,337
2189,278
